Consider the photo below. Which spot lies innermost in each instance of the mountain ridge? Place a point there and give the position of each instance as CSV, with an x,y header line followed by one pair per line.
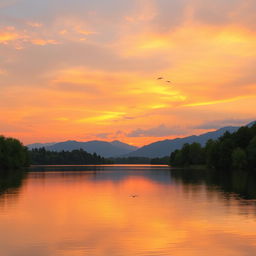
x,y
165,147
103,148
117,148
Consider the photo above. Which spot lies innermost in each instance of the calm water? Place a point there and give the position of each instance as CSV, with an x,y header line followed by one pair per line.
x,y
127,210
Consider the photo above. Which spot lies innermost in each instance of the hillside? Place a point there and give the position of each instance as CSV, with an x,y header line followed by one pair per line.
x,y
102,148
165,147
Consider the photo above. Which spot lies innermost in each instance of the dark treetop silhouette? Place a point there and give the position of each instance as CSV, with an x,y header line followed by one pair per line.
x,y
13,155
231,151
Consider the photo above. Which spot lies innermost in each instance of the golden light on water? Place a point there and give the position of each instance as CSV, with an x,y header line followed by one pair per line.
x,y
94,212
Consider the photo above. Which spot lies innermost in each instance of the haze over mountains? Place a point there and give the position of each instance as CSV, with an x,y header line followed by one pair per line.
x,y
103,148
117,148
165,147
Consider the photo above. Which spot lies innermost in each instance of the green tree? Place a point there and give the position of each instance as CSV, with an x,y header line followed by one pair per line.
x,y
225,154
185,153
79,156
13,155
251,151
243,136
211,153
236,150
196,154
239,159
176,158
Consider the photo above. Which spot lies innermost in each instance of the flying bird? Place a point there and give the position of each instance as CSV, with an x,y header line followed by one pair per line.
x,y
133,196
160,78
168,81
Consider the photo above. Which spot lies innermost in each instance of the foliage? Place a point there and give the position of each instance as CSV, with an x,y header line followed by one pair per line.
x,y
239,159
130,160
251,152
160,160
190,154
80,157
13,155
236,150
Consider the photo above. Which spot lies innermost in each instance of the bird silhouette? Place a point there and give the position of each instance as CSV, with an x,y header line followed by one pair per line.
x,y
160,78
168,81
133,196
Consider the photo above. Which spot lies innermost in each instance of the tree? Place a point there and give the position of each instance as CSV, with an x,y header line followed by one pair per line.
x,y
178,159
236,150
211,153
185,152
196,154
225,154
239,159
243,136
78,156
13,155
251,151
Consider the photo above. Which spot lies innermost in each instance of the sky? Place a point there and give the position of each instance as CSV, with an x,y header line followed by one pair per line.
x,y
87,70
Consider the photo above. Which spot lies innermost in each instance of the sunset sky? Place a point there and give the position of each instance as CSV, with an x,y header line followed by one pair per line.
x,y
87,70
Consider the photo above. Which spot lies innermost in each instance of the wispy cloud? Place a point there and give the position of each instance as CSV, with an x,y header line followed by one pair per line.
x,y
215,124
159,131
94,66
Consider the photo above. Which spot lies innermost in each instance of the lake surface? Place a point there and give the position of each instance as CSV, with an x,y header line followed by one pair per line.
x,y
127,210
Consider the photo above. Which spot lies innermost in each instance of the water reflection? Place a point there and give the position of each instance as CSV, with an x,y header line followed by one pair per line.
x,y
10,184
236,183
91,212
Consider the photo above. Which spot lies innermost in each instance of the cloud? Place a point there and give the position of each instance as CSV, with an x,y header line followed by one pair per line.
x,y
103,135
2,72
7,3
19,39
159,131
8,34
216,124
95,64
43,42
34,24
215,102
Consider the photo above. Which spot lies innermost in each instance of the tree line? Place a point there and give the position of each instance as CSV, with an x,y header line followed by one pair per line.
x,y
230,151
13,155
42,156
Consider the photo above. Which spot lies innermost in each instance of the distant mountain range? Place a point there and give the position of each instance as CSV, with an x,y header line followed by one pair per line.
x,y
103,148
165,147
117,148
40,145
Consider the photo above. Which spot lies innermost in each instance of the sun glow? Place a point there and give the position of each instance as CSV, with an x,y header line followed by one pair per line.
x,y
99,72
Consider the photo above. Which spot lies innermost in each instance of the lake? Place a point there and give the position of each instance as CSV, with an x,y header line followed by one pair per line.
x,y
127,210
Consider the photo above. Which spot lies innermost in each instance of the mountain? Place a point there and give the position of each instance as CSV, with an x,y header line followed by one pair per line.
x,y
103,148
117,148
40,145
165,147
124,146
251,124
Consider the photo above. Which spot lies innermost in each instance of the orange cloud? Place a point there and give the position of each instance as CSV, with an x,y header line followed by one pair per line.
x,y
216,101
8,34
43,42
101,74
34,24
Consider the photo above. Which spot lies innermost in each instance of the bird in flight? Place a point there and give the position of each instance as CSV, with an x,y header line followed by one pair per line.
x,y
166,81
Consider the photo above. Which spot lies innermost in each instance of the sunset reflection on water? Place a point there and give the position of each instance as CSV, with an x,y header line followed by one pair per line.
x,y
123,210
